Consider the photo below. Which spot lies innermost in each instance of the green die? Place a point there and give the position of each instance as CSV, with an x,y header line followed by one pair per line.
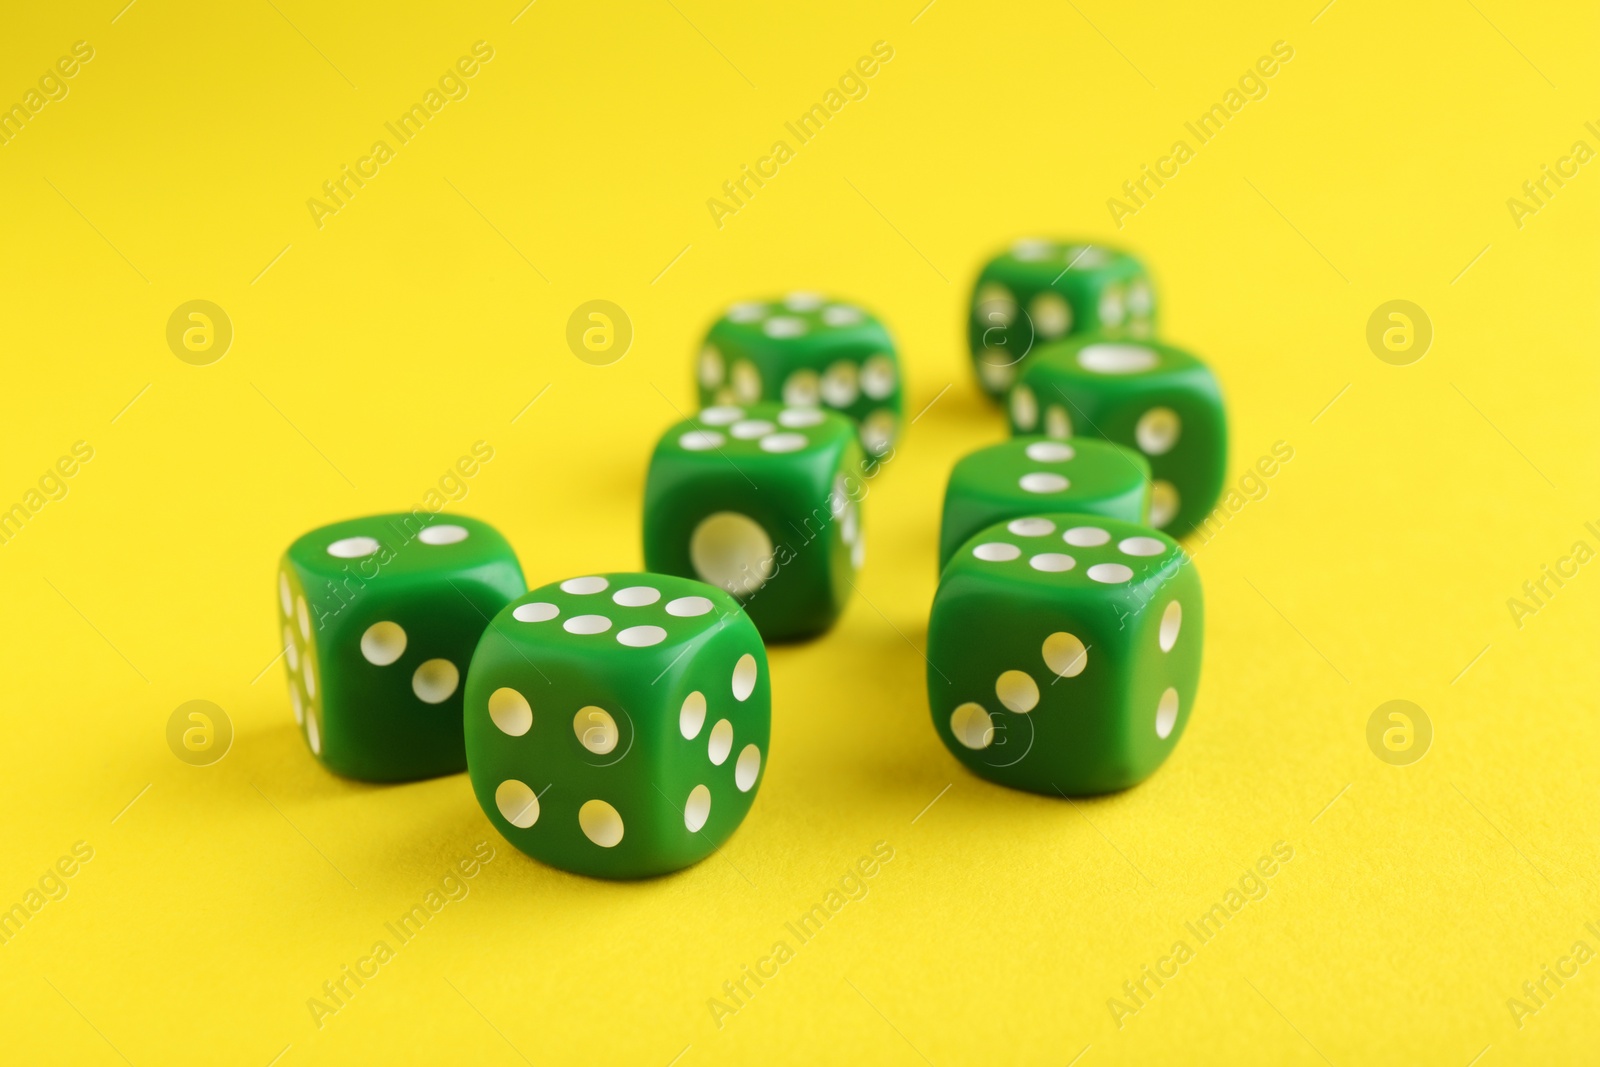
x,y
1041,291
379,617
807,351
1147,395
762,502
1065,659
1026,475
617,724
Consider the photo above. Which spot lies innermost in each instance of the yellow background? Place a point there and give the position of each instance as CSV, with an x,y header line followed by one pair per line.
x,y
428,312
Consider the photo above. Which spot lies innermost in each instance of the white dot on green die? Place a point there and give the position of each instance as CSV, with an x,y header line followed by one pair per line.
x,y
1017,691
1166,713
802,301
721,415
435,680
445,534
731,551
972,726
721,742
510,711
1051,315
1157,431
1110,573
641,636
711,369
596,730
750,429
1086,536
996,552
841,315
1163,502
697,809
685,607
601,823
1171,621
1024,408
746,768
840,384
1052,562
284,596
518,804
1111,358
585,586
799,418
636,596
291,650
783,442
1049,452
536,612
1065,654
748,311
383,643
692,715
1044,482
781,326
994,305
878,376
1141,546
744,677
587,624
701,440
353,547
1031,527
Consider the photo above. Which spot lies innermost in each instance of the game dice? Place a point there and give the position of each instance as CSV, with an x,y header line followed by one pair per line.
x,y
379,618
1146,395
807,351
1041,291
1064,652
762,502
1025,475
617,725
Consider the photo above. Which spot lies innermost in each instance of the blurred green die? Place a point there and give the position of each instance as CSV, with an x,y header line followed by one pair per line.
x,y
1041,291
1150,396
807,351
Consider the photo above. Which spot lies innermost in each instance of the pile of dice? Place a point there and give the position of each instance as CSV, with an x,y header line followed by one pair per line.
x,y
617,724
